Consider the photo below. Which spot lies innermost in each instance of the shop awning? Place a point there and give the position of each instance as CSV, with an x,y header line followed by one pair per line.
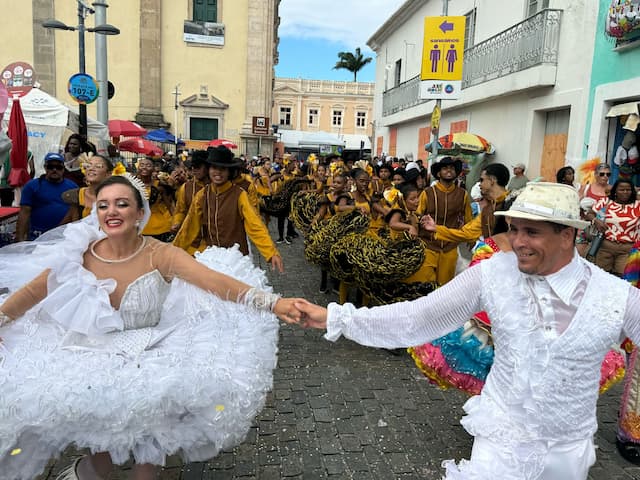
x,y
623,109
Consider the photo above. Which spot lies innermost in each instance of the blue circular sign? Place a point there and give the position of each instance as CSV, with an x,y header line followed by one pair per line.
x,y
83,88
448,88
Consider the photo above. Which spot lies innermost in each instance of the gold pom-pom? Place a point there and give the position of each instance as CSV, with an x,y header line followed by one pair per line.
x,y
118,169
392,195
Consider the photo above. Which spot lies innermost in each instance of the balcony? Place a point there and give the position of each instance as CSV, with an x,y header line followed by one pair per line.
x,y
532,42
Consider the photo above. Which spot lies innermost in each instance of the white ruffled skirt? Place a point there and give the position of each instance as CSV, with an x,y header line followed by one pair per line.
x,y
194,393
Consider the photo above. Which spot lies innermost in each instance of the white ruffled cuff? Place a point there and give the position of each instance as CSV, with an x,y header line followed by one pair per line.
x,y
338,317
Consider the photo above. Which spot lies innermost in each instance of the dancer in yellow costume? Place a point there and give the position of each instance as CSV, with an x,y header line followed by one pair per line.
x,y
449,206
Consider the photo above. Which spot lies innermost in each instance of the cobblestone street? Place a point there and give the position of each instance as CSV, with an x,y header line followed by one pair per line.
x,y
343,411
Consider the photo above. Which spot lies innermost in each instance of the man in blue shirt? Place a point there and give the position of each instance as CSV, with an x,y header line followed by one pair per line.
x,y
41,204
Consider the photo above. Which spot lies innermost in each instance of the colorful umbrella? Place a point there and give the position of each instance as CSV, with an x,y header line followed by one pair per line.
x,y
125,128
462,142
221,142
162,136
17,132
140,145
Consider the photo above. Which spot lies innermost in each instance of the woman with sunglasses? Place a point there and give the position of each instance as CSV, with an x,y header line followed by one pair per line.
x,y
620,219
590,193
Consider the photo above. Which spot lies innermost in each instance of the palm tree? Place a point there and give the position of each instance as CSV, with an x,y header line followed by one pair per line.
x,y
351,62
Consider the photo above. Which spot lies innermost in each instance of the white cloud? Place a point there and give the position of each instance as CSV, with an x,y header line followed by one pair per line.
x,y
348,22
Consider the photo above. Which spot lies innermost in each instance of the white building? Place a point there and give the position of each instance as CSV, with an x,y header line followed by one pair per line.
x,y
525,84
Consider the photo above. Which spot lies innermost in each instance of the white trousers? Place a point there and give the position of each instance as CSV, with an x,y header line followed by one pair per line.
x,y
564,461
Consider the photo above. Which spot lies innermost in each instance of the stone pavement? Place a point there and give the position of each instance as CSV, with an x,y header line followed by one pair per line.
x,y
343,411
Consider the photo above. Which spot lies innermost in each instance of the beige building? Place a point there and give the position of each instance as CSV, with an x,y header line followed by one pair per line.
x,y
218,55
343,109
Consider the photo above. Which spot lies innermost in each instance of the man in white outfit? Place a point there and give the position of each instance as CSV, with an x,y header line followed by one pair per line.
x,y
554,317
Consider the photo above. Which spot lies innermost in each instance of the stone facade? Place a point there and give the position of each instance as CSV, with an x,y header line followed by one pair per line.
x,y
311,105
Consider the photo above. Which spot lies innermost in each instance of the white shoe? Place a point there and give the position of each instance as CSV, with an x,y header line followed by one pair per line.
x,y
71,472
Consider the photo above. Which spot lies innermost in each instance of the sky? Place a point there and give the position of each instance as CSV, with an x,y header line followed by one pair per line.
x,y
312,32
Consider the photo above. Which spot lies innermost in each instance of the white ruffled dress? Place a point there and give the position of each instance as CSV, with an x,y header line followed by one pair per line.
x,y
175,370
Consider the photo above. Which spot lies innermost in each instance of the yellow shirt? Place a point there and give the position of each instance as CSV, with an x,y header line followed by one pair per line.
x,y
256,230
182,208
469,232
160,220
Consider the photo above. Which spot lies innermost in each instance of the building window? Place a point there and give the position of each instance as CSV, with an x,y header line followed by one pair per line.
x,y
397,73
205,11
469,29
285,115
534,6
313,117
361,119
336,118
203,128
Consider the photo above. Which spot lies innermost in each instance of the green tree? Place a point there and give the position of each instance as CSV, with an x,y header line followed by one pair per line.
x,y
351,62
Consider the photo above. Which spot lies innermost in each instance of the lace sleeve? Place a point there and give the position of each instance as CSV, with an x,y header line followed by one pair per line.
x,y
407,324
25,298
174,262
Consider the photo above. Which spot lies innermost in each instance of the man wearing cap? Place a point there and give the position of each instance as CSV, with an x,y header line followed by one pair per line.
x,y
450,206
222,215
519,179
188,190
41,204
551,325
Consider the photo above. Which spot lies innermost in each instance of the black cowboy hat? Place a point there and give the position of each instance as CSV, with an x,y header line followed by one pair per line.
x,y
199,158
411,175
436,167
222,157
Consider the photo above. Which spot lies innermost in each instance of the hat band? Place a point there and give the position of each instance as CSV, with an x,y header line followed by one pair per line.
x,y
536,209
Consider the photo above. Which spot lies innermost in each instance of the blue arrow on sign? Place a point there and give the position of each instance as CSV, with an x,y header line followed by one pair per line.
x,y
446,27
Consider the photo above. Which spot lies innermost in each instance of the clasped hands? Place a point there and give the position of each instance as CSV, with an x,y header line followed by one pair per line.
x,y
301,312
428,223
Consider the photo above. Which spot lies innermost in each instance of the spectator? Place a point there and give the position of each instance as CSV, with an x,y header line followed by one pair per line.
x,y
519,179
41,205
76,153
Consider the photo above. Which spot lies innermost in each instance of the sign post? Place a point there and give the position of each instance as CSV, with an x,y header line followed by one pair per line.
x,y
441,73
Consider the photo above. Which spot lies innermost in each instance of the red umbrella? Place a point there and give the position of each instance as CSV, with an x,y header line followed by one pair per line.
x,y
125,128
221,142
17,132
140,145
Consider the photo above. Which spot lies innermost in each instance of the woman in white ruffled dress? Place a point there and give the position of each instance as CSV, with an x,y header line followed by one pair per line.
x,y
127,346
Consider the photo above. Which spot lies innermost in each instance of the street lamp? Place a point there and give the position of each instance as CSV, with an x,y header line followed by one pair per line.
x,y
104,29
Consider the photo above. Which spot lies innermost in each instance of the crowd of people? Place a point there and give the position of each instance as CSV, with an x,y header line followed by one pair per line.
x,y
125,290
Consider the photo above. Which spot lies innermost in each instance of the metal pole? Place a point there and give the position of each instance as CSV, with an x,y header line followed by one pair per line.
x,y
434,148
176,94
82,108
102,75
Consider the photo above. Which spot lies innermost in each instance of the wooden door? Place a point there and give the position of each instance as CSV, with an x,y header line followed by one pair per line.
x,y
554,148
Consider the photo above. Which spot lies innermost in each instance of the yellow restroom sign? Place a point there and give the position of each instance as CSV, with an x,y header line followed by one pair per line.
x,y
443,48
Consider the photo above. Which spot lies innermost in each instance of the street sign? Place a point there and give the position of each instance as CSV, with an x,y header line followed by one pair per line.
x,y
442,57
18,78
83,88
435,118
260,126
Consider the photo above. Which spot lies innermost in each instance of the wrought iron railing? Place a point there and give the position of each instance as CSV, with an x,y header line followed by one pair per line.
x,y
534,41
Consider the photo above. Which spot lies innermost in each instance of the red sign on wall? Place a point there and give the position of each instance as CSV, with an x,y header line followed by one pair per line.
x,y
18,78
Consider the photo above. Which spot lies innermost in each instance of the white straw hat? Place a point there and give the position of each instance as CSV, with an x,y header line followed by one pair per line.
x,y
547,202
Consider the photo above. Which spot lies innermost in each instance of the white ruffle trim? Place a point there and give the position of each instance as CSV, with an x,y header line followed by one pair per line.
x,y
194,393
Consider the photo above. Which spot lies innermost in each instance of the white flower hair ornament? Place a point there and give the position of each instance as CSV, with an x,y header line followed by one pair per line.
x,y
140,186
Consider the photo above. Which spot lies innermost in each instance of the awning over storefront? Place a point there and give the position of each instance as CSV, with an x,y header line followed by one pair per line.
x,y
353,141
623,109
